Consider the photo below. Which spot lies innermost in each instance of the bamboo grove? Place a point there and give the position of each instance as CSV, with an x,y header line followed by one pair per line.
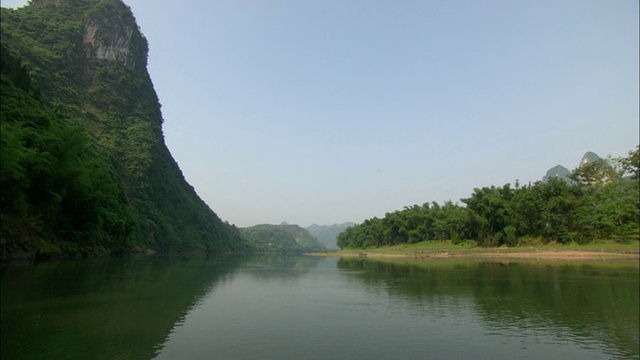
x,y
600,201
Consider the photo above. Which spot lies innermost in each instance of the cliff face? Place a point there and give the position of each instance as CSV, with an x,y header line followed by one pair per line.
x,y
104,42
89,59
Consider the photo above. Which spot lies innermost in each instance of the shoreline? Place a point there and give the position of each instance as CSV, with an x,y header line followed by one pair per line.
x,y
494,254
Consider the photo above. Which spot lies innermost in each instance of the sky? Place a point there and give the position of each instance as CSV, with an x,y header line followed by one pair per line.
x,y
324,111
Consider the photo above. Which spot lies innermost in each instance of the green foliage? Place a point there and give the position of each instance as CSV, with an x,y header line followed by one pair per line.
x,y
57,196
281,239
603,203
84,166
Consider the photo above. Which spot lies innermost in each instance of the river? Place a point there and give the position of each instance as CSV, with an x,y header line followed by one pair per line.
x,y
276,307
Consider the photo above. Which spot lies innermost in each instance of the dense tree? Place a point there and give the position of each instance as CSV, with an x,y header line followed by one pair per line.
x,y
281,239
57,195
84,163
601,202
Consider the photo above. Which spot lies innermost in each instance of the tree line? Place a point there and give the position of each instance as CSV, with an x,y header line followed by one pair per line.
x,y
600,201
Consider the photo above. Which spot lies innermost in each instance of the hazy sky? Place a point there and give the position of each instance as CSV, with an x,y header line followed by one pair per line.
x,y
332,111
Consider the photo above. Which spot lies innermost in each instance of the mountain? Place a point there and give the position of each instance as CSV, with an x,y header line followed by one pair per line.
x,y
563,173
281,238
589,158
83,148
327,234
558,171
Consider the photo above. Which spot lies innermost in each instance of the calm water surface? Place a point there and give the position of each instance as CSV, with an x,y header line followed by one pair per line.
x,y
318,308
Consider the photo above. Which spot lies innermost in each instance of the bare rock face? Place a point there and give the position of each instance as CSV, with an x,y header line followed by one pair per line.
x,y
110,44
115,37
110,33
118,38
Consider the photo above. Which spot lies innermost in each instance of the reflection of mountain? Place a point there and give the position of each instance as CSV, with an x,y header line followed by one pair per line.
x,y
595,301
278,266
107,308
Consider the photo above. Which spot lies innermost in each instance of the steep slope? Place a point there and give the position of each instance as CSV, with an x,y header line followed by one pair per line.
x,y
89,60
58,196
282,238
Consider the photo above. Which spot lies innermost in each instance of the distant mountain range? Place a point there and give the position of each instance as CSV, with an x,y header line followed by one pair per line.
x,y
327,234
563,173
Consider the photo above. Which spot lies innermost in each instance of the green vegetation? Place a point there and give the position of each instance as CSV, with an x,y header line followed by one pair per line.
x,y
602,202
469,249
57,196
281,239
85,169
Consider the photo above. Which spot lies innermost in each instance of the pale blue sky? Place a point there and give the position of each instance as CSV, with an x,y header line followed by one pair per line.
x,y
332,111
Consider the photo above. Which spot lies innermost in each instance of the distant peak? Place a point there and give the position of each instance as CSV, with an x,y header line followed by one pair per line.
x,y
589,157
557,171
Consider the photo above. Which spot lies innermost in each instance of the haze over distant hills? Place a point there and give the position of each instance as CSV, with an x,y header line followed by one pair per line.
x,y
327,234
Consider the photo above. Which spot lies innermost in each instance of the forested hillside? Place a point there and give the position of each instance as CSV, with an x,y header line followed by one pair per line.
x,y
84,165
281,239
602,201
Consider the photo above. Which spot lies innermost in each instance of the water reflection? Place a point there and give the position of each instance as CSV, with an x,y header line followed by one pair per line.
x,y
104,308
279,267
273,307
595,304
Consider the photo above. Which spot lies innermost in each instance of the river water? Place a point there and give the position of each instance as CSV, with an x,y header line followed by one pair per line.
x,y
274,307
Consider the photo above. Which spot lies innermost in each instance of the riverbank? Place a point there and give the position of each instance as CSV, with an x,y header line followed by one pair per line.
x,y
446,250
